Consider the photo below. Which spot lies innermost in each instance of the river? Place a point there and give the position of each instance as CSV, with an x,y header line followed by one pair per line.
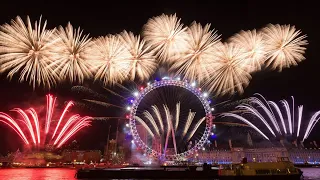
x,y
67,174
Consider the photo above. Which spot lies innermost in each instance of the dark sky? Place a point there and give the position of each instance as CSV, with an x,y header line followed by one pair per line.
x,y
227,17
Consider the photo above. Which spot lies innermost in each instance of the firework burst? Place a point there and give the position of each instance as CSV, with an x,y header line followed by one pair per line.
x,y
228,72
26,49
64,129
284,45
282,121
72,54
254,47
193,63
112,59
142,61
166,36
157,124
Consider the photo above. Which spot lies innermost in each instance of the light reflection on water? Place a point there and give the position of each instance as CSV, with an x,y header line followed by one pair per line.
x,y
37,174
67,174
311,173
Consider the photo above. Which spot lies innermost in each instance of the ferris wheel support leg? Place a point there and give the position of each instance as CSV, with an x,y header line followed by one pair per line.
x,y
174,139
166,144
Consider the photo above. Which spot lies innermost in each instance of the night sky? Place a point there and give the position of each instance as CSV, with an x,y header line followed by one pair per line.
x,y
114,16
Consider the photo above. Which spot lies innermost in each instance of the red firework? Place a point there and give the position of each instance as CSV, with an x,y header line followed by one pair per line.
x,y
64,129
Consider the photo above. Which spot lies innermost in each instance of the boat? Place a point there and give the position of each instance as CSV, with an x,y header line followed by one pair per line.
x,y
281,169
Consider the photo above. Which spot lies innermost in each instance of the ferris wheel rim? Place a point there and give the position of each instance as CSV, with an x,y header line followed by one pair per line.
x,y
177,83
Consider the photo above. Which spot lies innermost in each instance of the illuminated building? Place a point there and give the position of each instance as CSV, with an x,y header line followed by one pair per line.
x,y
93,156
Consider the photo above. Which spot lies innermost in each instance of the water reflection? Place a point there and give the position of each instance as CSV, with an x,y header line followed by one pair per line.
x,y
37,174
68,174
311,173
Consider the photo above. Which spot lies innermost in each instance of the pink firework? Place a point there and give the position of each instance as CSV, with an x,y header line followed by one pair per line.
x,y
29,127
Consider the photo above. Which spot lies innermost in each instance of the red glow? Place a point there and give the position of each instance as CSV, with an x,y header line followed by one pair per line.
x,y
70,103
34,126
50,106
141,88
127,116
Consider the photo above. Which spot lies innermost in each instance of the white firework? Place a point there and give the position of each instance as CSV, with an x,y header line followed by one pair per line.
x,y
166,35
228,70
72,57
193,63
253,45
142,61
112,59
269,111
284,45
27,50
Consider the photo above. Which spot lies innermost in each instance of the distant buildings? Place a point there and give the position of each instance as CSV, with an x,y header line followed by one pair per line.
x,y
93,156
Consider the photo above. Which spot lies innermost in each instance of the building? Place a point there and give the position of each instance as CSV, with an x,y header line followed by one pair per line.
x,y
263,152
305,155
235,155
93,156
110,150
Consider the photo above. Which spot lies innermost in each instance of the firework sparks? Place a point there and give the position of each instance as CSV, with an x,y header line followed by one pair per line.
x,y
28,50
300,109
245,121
142,60
73,125
228,72
268,110
166,36
177,115
72,54
168,117
144,125
188,123
27,122
313,121
196,128
81,123
157,112
13,125
193,63
169,122
51,101
256,113
112,59
254,47
43,57
153,122
284,45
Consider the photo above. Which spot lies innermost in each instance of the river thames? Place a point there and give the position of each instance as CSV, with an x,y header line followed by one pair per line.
x,y
64,174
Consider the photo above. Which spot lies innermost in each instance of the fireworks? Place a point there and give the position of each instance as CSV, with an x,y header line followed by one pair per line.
x,y
184,132
285,45
193,63
35,135
112,59
228,71
26,49
254,47
143,62
166,35
270,112
45,57
72,54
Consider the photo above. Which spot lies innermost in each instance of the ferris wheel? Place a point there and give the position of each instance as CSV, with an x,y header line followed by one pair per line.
x,y
164,124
